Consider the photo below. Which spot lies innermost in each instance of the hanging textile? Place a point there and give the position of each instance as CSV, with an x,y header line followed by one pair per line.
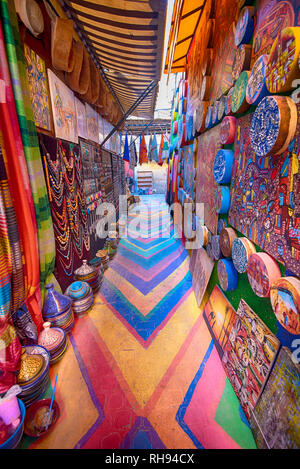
x,y
64,175
132,158
20,188
17,273
126,149
165,152
160,161
126,156
153,150
16,62
143,150
149,149
5,264
133,154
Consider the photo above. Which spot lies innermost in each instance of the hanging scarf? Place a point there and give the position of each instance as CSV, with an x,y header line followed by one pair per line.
x,y
126,156
143,150
160,161
16,62
17,273
19,187
5,264
149,149
165,151
154,152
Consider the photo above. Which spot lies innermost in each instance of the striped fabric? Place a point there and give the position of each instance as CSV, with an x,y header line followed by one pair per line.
x,y
5,264
17,68
127,38
20,187
17,274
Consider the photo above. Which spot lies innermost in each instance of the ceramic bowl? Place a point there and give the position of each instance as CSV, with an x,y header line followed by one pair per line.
x,y
34,417
78,290
37,350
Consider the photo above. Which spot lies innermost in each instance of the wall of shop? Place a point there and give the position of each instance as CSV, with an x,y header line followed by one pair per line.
x,y
235,149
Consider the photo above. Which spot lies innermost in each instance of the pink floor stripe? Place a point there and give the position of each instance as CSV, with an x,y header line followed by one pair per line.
x,y
200,414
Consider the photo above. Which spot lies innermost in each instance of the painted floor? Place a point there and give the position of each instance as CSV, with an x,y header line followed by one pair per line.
x,y
141,370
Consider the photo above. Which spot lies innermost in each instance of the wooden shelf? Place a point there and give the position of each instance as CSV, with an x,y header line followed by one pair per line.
x,y
145,179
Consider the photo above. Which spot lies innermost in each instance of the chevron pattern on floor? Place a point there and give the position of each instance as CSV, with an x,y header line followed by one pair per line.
x,y
141,370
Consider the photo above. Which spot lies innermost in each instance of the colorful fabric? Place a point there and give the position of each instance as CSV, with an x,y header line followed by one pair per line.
x,y
5,263
145,367
10,353
132,153
165,153
64,175
16,252
143,150
153,149
126,156
16,61
149,149
19,187
160,161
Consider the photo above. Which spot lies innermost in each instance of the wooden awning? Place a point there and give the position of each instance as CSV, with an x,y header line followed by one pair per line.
x,y
127,37
186,16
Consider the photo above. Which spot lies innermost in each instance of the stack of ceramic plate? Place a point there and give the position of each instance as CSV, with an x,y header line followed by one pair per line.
x,y
58,310
54,340
91,275
103,255
82,296
33,377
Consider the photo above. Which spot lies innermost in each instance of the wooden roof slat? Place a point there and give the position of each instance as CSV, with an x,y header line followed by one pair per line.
x,y
126,37
125,50
125,12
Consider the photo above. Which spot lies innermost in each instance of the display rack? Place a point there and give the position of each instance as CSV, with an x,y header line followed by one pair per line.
x,y
145,179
